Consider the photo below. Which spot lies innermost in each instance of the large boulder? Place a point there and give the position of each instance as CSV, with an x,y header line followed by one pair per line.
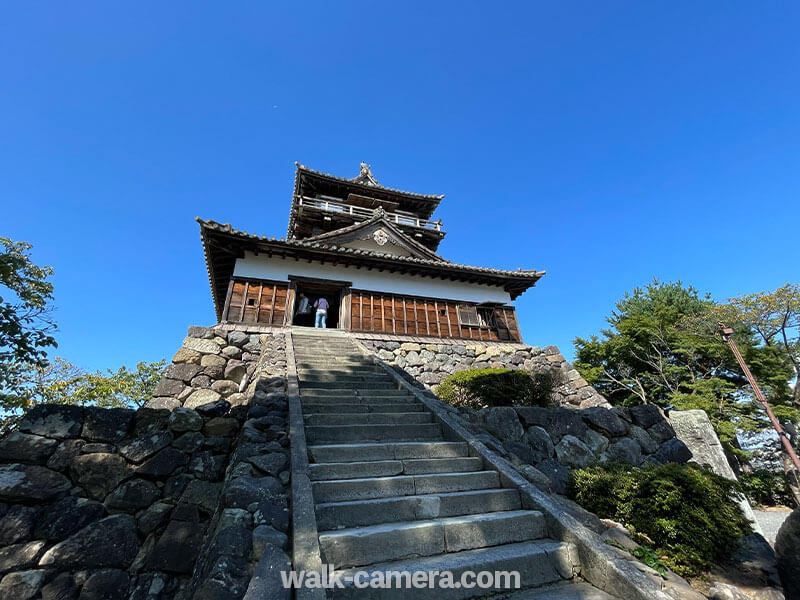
x,y
99,473
645,415
26,448
566,422
534,415
787,553
31,483
539,442
626,450
202,346
177,549
146,446
163,463
23,585
53,420
266,580
17,524
185,419
66,517
110,542
605,421
105,584
182,371
20,556
106,424
673,450
133,495
572,452
502,422
243,491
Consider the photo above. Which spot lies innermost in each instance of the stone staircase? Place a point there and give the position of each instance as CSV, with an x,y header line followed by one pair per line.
x,y
391,493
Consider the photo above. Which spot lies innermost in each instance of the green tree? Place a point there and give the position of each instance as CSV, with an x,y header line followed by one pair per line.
x,y
25,322
663,348
775,318
60,382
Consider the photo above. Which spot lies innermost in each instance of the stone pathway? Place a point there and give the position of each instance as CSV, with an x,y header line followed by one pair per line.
x,y
771,521
392,493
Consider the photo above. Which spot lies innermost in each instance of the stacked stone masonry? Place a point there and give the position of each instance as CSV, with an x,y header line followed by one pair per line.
x,y
188,498
429,364
179,500
545,444
219,362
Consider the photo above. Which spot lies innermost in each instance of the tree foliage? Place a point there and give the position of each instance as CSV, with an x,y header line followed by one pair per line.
x,y
775,319
481,388
60,382
25,324
663,348
687,513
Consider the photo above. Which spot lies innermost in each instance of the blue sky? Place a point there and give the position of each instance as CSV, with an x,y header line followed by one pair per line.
x,y
605,142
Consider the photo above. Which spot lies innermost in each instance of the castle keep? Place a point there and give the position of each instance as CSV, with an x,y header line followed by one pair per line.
x,y
372,252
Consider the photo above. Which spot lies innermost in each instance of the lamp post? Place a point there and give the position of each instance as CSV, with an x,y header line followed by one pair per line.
x,y
727,336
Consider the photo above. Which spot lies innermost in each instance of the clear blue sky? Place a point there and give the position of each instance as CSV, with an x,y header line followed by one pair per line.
x,y
606,142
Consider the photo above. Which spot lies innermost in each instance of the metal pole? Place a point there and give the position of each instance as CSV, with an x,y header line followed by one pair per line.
x,y
727,336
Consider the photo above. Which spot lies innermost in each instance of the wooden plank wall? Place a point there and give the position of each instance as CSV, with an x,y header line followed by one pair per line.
x,y
410,315
255,301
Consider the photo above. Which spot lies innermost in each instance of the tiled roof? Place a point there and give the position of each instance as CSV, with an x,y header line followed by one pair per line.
x,y
309,243
435,197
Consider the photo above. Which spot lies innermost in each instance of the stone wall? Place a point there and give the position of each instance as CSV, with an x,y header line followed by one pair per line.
x,y
164,503
547,443
220,362
428,364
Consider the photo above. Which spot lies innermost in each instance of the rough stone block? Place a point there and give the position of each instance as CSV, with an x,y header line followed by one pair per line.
x,y
20,482
177,549
99,473
53,420
26,448
110,542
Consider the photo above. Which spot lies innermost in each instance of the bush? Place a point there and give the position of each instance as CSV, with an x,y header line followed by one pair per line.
x,y
479,388
766,488
688,514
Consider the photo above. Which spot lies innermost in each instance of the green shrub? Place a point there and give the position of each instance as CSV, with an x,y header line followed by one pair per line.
x,y
479,388
686,513
766,488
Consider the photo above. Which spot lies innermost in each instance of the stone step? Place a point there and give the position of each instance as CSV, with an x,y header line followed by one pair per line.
x,y
539,563
360,546
341,368
316,408
378,384
382,451
322,352
340,379
358,513
340,490
336,394
407,401
319,352
566,590
370,418
373,433
387,468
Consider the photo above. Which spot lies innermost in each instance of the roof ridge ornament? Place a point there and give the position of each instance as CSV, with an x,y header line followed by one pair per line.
x,y
378,213
365,177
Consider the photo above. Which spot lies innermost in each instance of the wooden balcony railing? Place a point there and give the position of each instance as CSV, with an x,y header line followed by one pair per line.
x,y
366,213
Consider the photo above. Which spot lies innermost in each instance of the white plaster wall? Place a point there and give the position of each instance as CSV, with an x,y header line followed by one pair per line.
x,y
263,267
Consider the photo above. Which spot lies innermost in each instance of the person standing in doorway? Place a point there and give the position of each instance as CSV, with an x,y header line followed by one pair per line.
x,y
303,310
322,313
